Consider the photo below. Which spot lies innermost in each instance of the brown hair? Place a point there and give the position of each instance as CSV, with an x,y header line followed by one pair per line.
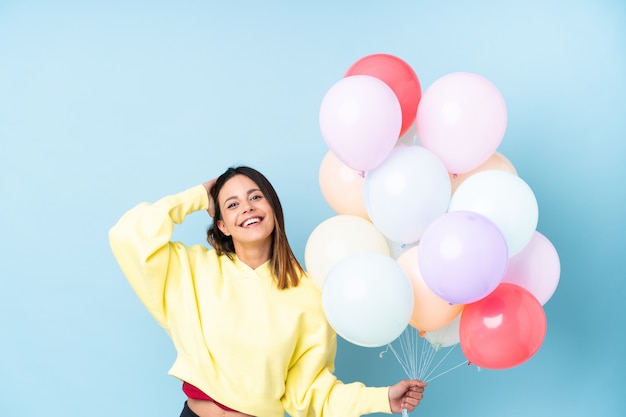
x,y
287,270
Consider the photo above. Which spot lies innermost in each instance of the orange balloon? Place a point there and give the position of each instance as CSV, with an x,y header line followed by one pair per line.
x,y
342,187
430,312
495,161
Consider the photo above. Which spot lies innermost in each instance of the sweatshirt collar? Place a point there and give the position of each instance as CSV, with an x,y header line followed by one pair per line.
x,y
262,271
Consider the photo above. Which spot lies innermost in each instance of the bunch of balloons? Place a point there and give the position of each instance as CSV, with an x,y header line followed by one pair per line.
x,y
421,172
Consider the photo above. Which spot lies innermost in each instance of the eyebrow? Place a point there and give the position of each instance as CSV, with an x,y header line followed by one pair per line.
x,y
234,197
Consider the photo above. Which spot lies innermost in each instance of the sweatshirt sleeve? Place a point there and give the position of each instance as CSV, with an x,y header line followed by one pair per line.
x,y
312,389
140,242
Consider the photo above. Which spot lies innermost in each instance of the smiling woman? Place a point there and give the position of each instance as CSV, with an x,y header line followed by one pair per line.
x,y
281,356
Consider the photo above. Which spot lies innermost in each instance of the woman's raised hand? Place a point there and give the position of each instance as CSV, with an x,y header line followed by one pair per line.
x,y
208,186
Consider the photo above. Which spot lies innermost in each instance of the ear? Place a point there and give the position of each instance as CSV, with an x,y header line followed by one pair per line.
x,y
222,227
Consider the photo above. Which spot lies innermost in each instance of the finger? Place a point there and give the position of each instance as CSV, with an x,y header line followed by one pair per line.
x,y
410,405
416,387
211,209
414,395
411,402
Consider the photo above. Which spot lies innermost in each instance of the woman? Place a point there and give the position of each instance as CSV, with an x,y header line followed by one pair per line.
x,y
247,322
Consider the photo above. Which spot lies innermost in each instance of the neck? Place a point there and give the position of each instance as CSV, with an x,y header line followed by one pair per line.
x,y
254,256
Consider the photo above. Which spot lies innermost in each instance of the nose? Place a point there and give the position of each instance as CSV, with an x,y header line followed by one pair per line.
x,y
247,206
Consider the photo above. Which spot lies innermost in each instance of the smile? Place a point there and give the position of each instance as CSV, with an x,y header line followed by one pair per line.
x,y
251,221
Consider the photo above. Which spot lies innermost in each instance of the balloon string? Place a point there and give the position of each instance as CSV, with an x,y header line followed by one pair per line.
x,y
417,361
381,354
451,369
408,353
405,366
411,342
428,356
440,362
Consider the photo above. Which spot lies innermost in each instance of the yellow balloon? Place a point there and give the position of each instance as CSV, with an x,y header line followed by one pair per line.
x,y
430,312
342,187
495,161
337,237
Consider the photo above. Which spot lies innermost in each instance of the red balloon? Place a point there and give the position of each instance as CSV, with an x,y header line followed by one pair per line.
x,y
399,76
504,329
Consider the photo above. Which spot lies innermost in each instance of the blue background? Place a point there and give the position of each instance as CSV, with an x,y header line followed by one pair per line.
x,y
106,104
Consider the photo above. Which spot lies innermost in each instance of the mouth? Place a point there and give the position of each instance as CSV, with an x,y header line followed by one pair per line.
x,y
251,221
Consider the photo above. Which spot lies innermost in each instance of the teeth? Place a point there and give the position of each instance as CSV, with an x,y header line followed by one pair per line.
x,y
251,221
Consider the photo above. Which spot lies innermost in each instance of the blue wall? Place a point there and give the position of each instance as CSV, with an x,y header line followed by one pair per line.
x,y
105,104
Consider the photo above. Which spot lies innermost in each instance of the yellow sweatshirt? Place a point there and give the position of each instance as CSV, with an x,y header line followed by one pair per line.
x,y
240,339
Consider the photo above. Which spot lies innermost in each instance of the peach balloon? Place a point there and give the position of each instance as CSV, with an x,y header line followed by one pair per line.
x,y
430,312
342,187
495,161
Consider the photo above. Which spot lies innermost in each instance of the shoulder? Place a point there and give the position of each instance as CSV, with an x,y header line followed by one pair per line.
x,y
202,255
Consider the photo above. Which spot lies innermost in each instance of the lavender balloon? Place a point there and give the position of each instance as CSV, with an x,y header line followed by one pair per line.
x,y
463,256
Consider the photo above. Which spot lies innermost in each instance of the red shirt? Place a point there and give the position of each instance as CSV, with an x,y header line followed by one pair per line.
x,y
195,394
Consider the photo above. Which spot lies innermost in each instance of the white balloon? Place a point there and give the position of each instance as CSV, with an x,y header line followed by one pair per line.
x,y
505,199
410,137
336,238
368,299
446,336
405,193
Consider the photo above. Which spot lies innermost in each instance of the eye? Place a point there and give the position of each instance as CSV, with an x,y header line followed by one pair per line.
x,y
254,197
231,205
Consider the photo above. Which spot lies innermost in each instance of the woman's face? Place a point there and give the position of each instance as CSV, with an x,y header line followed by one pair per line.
x,y
246,214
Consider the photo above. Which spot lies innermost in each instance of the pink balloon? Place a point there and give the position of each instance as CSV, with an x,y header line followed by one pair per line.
x,y
463,256
504,329
360,119
462,119
536,268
